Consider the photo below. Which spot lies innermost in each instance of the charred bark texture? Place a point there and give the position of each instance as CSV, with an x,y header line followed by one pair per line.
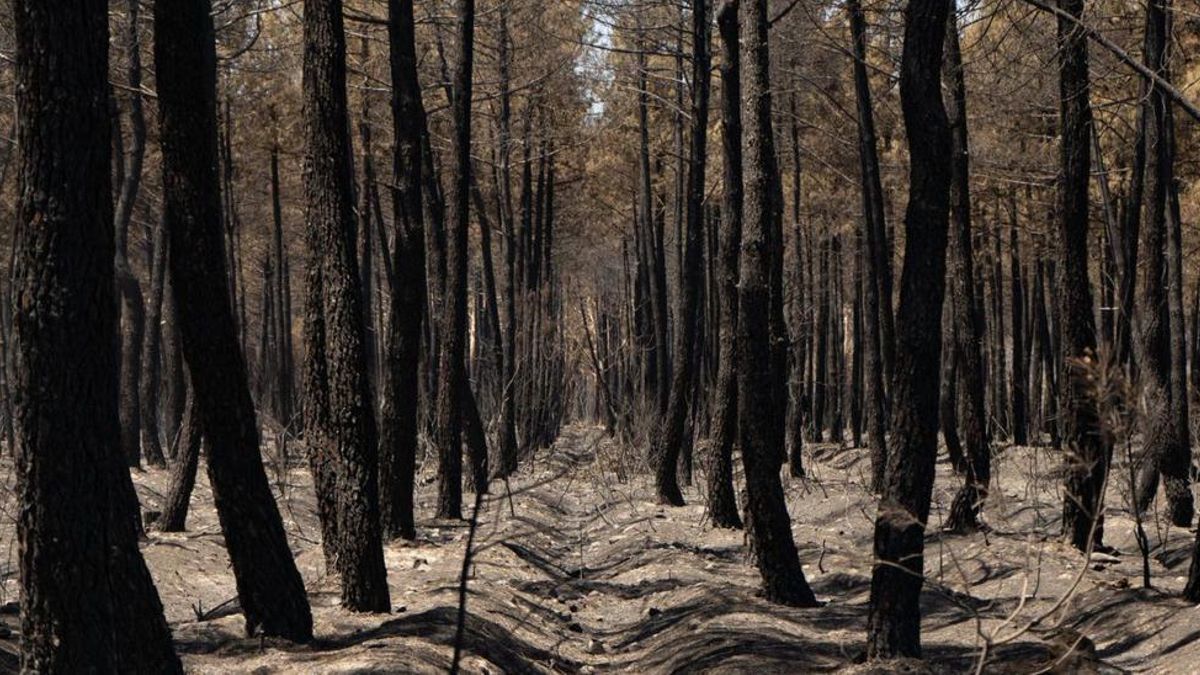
x,y
88,603
269,586
761,443
894,622
339,416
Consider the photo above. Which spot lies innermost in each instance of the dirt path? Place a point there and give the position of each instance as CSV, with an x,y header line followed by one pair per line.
x,y
576,571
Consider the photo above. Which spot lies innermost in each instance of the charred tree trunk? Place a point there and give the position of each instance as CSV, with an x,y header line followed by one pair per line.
x,y
174,390
508,432
88,602
269,586
398,419
133,311
722,505
968,319
183,472
151,370
451,366
671,435
767,517
894,622
1166,450
876,306
339,417
1020,376
1079,427
948,397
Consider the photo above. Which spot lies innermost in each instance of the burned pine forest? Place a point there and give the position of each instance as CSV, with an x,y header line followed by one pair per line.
x,y
583,336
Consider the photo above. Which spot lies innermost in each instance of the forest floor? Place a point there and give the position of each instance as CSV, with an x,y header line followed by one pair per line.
x,y
578,571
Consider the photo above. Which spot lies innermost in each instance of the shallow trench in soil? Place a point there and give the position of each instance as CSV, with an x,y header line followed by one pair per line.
x,y
577,569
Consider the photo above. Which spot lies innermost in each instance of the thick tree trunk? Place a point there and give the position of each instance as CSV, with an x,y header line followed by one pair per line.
x,y
269,586
87,600
767,517
894,622
339,416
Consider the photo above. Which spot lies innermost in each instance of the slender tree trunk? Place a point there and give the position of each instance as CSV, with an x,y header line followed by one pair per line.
x,y
508,433
670,436
151,370
174,391
88,603
398,419
283,384
948,397
1160,357
1020,376
451,367
722,505
894,622
969,324
1079,426
269,586
133,312
183,472
877,308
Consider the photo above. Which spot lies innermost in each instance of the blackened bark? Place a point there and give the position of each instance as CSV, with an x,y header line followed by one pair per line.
x,y
894,622
88,603
269,586
968,319
398,424
133,319
658,361
451,366
762,449
821,366
183,472
948,397
368,237
670,435
876,306
1165,444
284,384
1020,376
476,438
1088,451
1130,237
344,427
722,504
508,421
151,370
855,383
174,391
133,312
